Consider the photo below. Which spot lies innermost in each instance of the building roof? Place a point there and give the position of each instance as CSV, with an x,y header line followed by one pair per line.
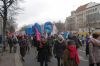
x,y
81,8
88,5
92,4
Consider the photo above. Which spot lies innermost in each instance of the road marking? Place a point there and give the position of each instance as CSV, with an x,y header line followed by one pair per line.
x,y
82,58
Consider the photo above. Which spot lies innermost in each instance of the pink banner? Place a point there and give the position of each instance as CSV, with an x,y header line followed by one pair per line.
x,y
38,35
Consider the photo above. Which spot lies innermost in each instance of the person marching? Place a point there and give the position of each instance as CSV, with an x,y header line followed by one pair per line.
x,y
15,41
58,49
22,44
43,52
83,40
10,42
70,56
87,45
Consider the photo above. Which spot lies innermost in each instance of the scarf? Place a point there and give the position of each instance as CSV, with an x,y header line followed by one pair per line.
x,y
42,44
74,53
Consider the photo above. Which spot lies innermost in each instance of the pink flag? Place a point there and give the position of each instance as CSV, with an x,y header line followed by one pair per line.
x,y
38,35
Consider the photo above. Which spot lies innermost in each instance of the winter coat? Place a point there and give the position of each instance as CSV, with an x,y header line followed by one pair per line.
x,y
67,60
70,57
58,49
10,42
94,53
22,42
43,53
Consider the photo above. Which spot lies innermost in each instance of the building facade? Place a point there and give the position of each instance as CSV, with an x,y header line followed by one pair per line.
x,y
71,22
86,17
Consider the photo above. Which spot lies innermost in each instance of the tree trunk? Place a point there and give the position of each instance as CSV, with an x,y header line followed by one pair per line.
x,y
4,22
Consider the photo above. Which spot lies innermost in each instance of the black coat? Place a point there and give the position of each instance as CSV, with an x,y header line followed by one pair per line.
x,y
10,42
59,49
43,53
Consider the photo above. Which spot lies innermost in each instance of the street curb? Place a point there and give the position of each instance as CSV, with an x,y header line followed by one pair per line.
x,y
18,60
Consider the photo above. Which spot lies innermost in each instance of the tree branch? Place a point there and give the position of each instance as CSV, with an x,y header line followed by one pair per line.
x,y
1,0
1,13
10,2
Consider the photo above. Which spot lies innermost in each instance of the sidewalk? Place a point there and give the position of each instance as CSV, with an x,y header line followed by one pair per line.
x,y
10,59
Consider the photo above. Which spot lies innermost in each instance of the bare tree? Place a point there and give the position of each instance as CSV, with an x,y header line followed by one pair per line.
x,y
11,25
60,26
23,28
7,7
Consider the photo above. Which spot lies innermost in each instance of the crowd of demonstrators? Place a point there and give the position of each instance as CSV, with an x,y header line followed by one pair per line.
x,y
64,50
56,46
51,46
12,41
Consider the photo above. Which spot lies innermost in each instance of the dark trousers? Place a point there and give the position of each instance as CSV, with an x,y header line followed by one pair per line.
x,y
59,61
87,50
23,50
98,64
83,42
11,48
42,63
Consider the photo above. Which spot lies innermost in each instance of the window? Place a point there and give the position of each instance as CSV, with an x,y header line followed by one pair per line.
x,y
95,9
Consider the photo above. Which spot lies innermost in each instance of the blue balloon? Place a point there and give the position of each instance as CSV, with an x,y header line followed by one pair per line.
x,y
36,25
29,31
48,27
65,35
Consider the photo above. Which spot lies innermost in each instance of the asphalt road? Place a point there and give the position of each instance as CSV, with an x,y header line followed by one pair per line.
x,y
30,59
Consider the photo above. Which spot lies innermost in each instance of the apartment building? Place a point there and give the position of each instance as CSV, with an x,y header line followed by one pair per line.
x,y
86,17
70,22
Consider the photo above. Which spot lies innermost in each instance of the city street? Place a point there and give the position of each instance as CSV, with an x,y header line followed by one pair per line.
x,y
30,59
62,32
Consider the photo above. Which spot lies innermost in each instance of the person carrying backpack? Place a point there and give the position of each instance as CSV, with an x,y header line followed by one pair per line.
x,y
70,56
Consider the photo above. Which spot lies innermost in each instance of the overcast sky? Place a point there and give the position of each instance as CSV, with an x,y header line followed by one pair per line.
x,y
47,10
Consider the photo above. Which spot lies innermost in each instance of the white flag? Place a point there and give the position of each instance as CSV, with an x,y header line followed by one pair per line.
x,y
55,30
